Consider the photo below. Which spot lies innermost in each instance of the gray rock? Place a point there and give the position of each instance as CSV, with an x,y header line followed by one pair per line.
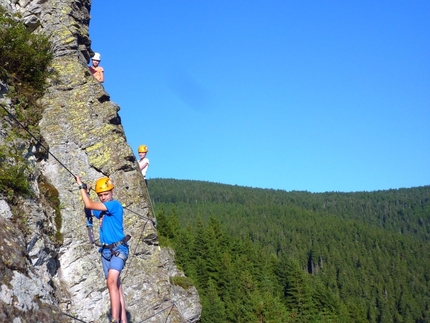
x,y
50,273
5,211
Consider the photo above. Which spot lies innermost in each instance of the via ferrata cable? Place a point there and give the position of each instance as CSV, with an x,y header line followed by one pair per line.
x,y
37,140
87,212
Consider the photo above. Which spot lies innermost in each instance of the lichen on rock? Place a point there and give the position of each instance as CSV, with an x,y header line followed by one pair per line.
x,y
48,269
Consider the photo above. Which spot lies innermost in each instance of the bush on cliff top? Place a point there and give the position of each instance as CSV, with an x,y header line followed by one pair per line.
x,y
24,56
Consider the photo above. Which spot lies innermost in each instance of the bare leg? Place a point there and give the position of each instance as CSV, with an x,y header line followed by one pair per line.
x,y
112,285
122,301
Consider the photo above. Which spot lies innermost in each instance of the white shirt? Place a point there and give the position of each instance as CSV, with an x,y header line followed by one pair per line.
x,y
142,162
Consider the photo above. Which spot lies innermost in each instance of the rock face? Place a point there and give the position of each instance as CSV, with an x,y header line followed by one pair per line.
x,y
50,277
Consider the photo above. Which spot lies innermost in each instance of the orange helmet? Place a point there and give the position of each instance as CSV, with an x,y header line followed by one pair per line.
x,y
142,149
103,184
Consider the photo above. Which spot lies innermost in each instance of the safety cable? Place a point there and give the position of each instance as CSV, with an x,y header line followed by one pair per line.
x,y
161,311
125,207
153,220
168,314
146,319
133,253
38,141
73,317
150,203
65,167
164,309
179,311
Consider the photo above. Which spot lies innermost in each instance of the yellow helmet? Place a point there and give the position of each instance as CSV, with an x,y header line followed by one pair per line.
x,y
103,184
142,149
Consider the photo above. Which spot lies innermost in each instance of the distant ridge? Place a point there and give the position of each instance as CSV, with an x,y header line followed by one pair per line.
x,y
369,248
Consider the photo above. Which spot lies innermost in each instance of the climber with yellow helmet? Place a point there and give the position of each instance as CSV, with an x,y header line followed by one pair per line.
x,y
114,248
143,161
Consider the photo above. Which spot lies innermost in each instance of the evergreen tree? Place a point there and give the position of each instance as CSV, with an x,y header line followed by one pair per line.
x,y
213,306
298,294
326,257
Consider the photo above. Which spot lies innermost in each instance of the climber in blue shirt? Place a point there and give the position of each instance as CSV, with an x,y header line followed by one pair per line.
x,y
114,248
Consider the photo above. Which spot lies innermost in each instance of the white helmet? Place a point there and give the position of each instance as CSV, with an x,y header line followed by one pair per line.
x,y
97,57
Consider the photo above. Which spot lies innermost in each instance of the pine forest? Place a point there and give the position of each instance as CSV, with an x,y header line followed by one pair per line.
x,y
260,255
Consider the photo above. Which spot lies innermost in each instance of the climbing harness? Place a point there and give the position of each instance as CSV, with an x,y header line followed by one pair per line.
x,y
87,212
89,220
112,246
103,185
116,244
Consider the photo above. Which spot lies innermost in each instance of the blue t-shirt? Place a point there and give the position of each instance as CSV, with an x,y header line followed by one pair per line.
x,y
112,229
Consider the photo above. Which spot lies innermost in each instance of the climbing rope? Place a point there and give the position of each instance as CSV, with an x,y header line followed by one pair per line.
x,y
153,220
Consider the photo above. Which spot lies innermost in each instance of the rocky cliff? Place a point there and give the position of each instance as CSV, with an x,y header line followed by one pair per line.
x,y
49,272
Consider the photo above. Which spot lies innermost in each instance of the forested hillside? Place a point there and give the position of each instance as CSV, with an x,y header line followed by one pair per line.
x,y
259,255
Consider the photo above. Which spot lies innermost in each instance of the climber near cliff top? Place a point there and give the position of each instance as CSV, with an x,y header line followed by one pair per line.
x,y
143,161
96,69
114,249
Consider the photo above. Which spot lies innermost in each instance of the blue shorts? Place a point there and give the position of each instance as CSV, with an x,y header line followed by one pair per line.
x,y
112,261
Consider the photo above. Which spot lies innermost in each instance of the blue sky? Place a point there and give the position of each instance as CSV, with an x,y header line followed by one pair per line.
x,y
294,95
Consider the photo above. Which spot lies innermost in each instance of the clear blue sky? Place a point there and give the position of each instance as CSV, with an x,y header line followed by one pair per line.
x,y
295,95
